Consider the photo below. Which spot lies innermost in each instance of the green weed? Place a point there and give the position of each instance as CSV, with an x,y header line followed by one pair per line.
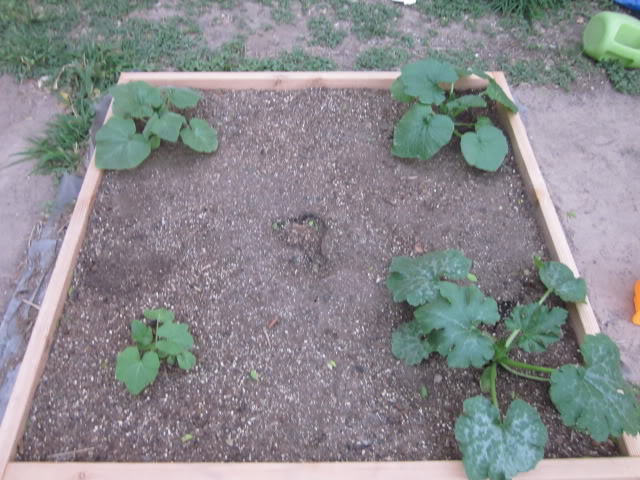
x,y
281,10
447,11
323,32
465,56
525,8
384,58
623,79
59,149
295,60
368,20
231,56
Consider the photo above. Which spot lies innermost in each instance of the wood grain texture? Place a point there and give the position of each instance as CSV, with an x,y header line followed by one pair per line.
x,y
280,80
11,430
621,468
582,316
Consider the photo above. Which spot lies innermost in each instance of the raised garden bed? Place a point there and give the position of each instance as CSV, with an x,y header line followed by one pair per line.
x,y
311,255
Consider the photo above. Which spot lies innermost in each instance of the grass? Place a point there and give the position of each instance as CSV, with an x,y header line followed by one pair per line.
x,y
231,56
558,68
369,20
385,58
624,80
464,58
447,11
323,33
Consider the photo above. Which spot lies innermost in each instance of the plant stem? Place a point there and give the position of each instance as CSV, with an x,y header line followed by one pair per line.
x,y
526,366
463,124
457,133
544,297
494,394
521,374
511,338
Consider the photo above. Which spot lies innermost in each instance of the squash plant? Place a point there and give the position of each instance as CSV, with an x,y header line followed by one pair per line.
x,y
137,366
431,122
120,144
593,398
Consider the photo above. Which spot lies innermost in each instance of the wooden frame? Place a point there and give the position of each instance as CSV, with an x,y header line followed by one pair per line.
x,y
12,428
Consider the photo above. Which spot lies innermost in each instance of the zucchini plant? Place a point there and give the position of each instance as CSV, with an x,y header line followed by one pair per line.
x,y
142,119
430,123
137,366
592,398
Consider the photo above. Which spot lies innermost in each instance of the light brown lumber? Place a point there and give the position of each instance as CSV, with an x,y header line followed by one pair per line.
x,y
583,318
618,468
36,354
280,80
585,321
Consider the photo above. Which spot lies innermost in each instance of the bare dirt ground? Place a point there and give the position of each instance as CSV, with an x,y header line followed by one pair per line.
x,y
24,111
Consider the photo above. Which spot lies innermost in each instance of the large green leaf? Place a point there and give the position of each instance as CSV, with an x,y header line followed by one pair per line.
x,y
486,148
539,326
408,343
495,449
135,99
458,105
200,136
559,278
118,146
182,97
416,279
160,314
420,133
167,126
596,398
397,91
422,79
496,93
175,337
135,372
456,314
141,333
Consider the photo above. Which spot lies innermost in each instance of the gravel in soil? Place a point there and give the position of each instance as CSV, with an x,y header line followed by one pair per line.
x,y
275,251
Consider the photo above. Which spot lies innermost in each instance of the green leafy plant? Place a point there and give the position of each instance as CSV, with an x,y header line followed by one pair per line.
x,y
430,123
448,319
119,144
162,339
525,8
625,80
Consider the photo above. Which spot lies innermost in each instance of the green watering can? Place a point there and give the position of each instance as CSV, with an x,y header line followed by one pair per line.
x,y
613,36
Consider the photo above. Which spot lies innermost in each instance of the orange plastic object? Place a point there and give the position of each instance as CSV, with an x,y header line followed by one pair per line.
x,y
636,301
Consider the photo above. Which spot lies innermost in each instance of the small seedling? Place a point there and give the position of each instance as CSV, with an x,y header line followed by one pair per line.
x,y
594,398
424,393
571,214
119,144
187,437
331,364
430,123
137,366
472,278
254,375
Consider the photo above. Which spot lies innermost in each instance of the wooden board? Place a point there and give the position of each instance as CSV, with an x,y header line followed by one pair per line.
x,y
621,468
11,430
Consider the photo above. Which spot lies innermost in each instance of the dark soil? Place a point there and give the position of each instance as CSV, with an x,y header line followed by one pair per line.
x,y
275,250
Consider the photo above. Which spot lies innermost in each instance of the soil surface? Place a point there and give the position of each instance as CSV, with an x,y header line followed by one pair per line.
x,y
275,251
